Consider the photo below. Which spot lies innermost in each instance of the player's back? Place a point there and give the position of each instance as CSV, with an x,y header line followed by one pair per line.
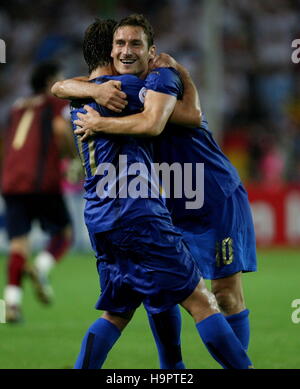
x,y
197,145
31,161
112,206
105,148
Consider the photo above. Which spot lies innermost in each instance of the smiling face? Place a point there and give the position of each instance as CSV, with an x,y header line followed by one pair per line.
x,y
130,52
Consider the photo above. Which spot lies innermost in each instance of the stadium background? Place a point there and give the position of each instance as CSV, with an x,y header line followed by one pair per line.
x,y
239,54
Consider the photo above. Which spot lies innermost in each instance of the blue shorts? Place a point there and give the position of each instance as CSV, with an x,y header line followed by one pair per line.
x,y
143,263
226,245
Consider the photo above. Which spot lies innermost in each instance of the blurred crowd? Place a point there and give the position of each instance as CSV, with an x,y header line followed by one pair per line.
x,y
261,98
260,103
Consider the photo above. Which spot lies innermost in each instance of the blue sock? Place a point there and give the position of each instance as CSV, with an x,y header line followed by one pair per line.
x,y
166,327
222,343
96,344
239,322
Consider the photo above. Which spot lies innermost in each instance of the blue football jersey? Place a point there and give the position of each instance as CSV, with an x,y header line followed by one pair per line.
x,y
113,164
165,80
193,146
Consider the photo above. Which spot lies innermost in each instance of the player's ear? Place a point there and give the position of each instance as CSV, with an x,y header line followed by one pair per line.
x,y
112,51
152,52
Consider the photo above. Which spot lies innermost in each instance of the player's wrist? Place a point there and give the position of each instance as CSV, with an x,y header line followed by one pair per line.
x,y
98,123
93,91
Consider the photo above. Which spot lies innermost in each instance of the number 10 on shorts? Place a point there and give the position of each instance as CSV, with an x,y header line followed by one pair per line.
x,y
224,252
2,311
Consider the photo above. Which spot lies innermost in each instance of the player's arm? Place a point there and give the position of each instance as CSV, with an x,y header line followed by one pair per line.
x,y
107,94
157,109
187,111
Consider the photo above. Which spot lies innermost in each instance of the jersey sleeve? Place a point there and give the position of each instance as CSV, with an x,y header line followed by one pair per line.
x,y
165,80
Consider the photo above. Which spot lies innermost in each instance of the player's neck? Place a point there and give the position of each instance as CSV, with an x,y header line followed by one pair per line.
x,y
101,71
143,75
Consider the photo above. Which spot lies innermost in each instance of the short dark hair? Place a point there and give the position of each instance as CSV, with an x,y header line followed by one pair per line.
x,y
97,43
138,20
41,75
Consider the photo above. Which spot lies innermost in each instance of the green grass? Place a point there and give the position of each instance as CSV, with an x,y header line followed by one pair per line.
x,y
50,337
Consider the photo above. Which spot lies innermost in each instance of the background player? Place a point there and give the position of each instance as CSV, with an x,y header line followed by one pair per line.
x,y
223,249
37,136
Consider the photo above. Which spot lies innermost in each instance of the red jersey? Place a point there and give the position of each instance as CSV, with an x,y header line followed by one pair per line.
x,y
31,159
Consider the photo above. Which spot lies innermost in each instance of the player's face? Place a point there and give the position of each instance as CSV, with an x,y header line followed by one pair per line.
x,y
130,51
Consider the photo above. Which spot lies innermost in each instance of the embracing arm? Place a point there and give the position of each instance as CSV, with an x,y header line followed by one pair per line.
x,y
73,88
108,94
187,111
151,122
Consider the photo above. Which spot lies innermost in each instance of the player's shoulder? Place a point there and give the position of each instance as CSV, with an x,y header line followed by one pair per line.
x,y
19,103
164,73
128,78
165,80
28,102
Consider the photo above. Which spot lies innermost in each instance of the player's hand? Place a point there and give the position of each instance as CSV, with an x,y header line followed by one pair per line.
x,y
163,60
109,95
89,123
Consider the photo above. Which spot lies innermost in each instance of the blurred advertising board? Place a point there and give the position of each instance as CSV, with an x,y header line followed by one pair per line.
x,y
276,213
